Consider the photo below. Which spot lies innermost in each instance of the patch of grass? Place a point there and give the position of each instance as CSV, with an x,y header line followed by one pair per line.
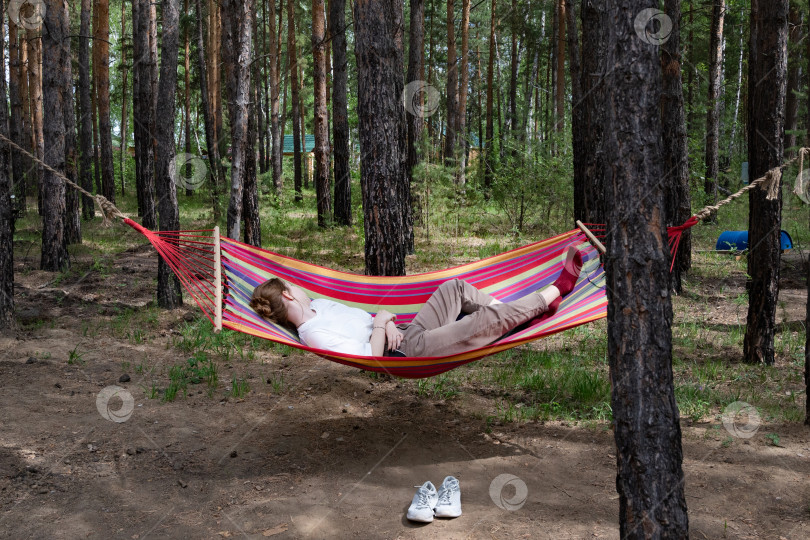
x,y
198,369
239,387
75,357
445,386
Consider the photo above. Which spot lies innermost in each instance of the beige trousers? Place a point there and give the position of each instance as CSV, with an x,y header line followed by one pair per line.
x,y
435,331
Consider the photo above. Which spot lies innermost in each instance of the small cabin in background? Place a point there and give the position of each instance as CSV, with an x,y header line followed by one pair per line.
x,y
308,151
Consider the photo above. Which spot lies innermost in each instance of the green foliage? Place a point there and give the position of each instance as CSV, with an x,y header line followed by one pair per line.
x,y
196,370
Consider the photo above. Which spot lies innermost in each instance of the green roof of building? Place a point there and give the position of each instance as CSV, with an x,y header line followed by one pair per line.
x,y
309,144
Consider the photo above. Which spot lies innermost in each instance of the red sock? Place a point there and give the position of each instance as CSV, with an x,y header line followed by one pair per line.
x,y
569,275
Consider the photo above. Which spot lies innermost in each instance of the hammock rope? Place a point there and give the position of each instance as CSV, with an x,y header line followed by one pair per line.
x,y
220,274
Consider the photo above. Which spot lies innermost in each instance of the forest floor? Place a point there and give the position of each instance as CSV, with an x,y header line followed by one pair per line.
x,y
318,450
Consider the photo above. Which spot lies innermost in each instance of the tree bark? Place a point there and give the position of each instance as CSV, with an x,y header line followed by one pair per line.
x,y
794,75
236,42
340,113
323,191
382,138
86,115
489,168
767,75
589,202
6,201
463,89
451,90
169,293
713,104
561,69
122,156
35,88
101,49
578,127
54,34
212,148
19,164
275,87
676,158
293,63
514,63
73,220
143,111
649,457
187,91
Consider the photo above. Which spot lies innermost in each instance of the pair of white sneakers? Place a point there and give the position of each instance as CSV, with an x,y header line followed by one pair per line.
x,y
430,502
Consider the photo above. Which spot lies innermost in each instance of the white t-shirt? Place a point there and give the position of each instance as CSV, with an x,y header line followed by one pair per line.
x,y
337,328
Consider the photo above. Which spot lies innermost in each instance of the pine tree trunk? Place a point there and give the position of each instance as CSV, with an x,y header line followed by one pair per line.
x,y
514,63
73,219
647,431
86,121
302,118
463,89
54,33
676,158
259,77
237,39
490,137
451,90
187,90
382,136
323,190
144,149
580,151
214,162
275,92
35,89
101,48
169,293
767,75
794,74
6,201
124,151
415,67
713,104
561,68
293,71
591,208
340,114
19,165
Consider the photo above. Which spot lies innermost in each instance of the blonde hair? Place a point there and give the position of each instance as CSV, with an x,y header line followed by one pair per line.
x,y
268,303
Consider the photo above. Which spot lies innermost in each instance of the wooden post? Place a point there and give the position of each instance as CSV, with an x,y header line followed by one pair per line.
x,y
217,283
594,240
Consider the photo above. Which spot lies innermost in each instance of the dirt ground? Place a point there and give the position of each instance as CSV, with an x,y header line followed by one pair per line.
x,y
335,454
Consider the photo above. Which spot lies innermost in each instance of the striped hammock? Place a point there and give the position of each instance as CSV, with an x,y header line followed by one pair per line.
x,y
239,267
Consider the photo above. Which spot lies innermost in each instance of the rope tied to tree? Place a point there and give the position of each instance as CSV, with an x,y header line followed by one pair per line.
x,y
769,182
108,210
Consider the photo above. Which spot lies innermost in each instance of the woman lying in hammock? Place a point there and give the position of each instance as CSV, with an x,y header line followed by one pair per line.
x,y
436,329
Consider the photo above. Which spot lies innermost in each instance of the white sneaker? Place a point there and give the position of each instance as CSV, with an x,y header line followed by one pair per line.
x,y
424,501
449,503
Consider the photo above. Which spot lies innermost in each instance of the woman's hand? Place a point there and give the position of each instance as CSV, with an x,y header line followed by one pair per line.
x,y
393,336
383,318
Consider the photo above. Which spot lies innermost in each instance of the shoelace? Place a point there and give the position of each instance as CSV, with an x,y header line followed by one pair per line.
x,y
423,497
444,496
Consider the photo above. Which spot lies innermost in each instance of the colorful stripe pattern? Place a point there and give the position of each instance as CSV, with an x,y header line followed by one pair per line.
x,y
507,276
